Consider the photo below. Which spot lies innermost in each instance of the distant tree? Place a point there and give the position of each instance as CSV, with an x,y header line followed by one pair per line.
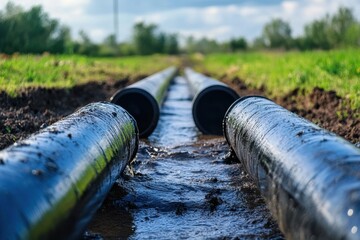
x,y
148,40
317,34
31,31
352,36
340,23
11,10
110,41
259,43
190,44
62,42
299,43
109,47
160,42
144,38
277,34
38,36
204,45
171,44
237,44
85,46
127,49
339,30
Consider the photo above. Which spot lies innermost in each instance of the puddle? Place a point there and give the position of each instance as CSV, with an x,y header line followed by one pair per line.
x,y
180,186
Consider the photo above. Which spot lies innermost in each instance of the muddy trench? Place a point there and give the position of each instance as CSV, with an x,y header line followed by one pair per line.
x,y
182,184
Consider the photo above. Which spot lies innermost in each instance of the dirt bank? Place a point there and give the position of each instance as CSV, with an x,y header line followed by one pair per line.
x,y
325,108
35,108
38,107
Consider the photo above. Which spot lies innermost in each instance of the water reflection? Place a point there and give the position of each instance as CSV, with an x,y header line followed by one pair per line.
x,y
179,186
176,125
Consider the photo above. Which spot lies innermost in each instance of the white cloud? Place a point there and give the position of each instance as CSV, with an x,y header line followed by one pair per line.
x,y
248,11
211,15
220,22
289,6
224,22
74,14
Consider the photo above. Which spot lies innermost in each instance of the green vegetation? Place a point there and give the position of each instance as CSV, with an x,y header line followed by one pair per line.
x,y
34,31
281,72
66,71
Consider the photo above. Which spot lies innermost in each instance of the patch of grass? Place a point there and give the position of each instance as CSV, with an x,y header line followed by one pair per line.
x,y
281,73
21,71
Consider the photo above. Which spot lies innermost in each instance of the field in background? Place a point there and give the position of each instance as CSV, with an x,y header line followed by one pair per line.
x,y
282,72
278,72
49,71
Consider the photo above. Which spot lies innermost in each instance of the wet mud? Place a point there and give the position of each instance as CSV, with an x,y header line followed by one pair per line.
x,y
182,185
324,108
36,108
308,191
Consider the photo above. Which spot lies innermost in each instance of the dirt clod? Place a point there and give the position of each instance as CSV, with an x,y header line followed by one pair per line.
x,y
324,108
213,199
37,108
180,209
299,134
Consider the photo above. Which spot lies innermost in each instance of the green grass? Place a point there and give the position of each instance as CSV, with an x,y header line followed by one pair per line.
x,y
280,72
50,71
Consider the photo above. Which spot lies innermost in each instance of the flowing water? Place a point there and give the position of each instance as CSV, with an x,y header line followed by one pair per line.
x,y
182,185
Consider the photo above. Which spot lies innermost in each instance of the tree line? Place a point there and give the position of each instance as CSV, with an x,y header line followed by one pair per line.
x,y
33,31
340,30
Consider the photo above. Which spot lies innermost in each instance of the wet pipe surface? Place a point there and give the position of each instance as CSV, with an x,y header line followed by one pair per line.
x,y
182,185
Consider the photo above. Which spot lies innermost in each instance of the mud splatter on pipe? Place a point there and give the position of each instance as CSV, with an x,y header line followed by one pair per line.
x,y
143,99
53,182
310,177
211,100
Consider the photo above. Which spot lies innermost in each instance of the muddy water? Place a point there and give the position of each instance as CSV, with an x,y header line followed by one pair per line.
x,y
182,186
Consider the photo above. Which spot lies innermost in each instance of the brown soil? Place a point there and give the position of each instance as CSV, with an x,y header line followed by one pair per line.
x,y
325,108
35,108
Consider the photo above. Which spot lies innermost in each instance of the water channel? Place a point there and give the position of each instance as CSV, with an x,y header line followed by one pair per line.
x,y
182,185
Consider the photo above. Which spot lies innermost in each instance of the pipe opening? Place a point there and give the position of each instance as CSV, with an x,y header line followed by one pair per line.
x,y
210,106
142,106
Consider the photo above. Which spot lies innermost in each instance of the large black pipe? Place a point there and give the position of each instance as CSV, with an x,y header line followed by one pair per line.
x,y
310,177
53,182
143,99
211,100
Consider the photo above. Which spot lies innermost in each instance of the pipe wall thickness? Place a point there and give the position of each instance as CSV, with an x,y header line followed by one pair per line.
x,y
52,183
310,177
211,100
143,99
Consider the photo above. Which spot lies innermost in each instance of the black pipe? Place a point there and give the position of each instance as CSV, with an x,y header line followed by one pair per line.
x,y
52,183
143,99
211,100
310,177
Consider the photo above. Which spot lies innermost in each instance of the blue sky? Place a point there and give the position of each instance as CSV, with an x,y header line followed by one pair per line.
x,y
218,19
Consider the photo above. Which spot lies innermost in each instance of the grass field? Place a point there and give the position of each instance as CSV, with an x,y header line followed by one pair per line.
x,y
279,72
282,72
66,71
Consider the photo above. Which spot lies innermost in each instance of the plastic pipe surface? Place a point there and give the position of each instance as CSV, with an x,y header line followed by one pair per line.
x,y
52,183
143,99
211,100
310,177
